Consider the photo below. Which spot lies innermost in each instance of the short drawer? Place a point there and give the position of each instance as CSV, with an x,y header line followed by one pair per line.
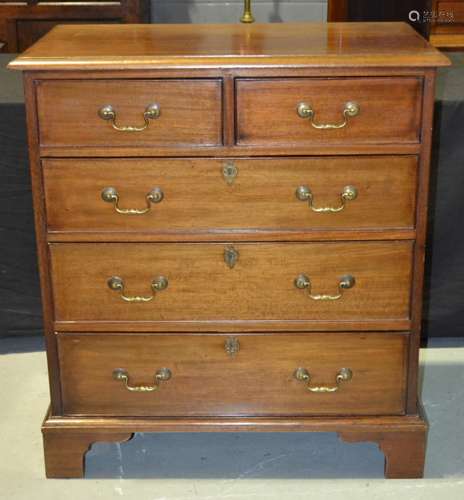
x,y
213,194
178,113
204,375
145,282
346,111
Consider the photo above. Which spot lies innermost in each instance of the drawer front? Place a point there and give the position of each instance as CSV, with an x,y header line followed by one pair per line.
x,y
224,194
267,111
190,113
259,379
223,282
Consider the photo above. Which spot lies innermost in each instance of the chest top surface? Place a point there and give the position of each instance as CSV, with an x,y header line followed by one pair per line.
x,y
289,44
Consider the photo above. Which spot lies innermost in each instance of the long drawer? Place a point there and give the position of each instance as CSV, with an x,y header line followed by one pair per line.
x,y
208,194
204,375
106,113
140,282
341,111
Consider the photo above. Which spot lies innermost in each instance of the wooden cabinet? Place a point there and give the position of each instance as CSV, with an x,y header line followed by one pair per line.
x,y
231,227
23,22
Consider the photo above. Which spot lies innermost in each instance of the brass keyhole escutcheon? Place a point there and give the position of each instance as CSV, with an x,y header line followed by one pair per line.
x,y
231,256
229,172
232,346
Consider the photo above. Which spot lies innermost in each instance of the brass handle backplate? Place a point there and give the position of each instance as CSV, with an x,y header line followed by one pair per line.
x,y
161,375
305,110
157,285
111,195
303,282
304,193
303,375
108,113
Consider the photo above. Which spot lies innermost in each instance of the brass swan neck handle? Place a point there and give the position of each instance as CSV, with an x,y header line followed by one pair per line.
x,y
117,284
111,195
305,110
108,113
303,281
122,375
303,375
304,193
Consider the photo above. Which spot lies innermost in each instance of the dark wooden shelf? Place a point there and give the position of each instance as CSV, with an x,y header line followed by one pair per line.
x,y
23,23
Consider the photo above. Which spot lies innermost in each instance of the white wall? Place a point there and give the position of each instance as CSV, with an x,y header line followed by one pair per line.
x,y
229,11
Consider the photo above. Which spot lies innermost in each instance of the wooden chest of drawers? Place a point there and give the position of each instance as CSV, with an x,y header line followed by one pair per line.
x,y
231,228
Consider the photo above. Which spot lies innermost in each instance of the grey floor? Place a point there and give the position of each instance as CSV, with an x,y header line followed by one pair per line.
x,y
233,466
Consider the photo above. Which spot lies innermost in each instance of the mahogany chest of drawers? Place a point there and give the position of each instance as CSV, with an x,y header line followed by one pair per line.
x,y
231,227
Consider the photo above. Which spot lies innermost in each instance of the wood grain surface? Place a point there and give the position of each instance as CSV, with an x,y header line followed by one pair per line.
x,y
404,450
203,288
258,380
190,112
65,451
390,110
197,197
278,44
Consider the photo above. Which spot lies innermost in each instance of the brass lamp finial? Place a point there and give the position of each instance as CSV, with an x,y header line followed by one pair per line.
x,y
247,15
